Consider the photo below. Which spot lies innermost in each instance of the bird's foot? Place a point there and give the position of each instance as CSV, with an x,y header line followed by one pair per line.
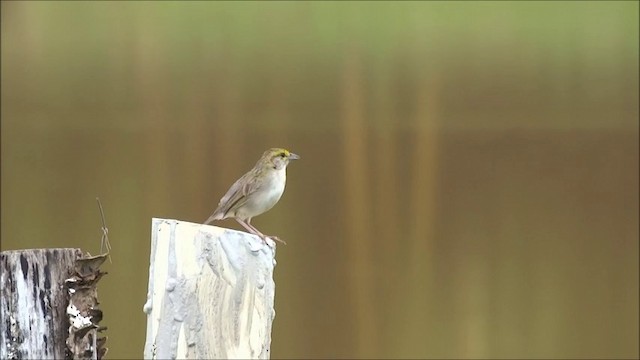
x,y
274,238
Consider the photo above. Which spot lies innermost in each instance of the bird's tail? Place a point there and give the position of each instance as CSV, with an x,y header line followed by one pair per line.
x,y
215,216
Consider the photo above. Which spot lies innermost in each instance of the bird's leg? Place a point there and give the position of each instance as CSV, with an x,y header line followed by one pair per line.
x,y
263,235
249,228
254,228
256,231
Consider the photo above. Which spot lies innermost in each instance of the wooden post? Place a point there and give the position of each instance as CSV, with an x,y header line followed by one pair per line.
x,y
211,293
48,306
34,303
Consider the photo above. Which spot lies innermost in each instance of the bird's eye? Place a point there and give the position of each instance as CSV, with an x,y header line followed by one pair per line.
x,y
282,155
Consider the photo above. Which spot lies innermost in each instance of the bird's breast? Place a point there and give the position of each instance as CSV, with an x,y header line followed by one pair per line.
x,y
276,187
267,196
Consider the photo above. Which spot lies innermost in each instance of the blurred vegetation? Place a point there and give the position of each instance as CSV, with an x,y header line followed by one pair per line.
x,y
469,178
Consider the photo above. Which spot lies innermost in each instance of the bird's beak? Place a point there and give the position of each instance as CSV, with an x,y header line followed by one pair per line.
x,y
293,156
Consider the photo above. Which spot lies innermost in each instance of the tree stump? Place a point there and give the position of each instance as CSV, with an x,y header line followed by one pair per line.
x,y
34,303
49,305
211,293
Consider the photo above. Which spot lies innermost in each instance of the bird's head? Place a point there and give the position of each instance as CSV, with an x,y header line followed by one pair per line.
x,y
277,158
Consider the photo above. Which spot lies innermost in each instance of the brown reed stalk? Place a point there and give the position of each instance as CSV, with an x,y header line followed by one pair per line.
x,y
359,234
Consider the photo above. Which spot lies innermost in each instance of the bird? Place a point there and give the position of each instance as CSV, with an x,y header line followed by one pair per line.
x,y
256,192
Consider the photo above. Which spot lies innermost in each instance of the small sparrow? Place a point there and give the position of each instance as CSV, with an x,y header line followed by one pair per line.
x,y
256,191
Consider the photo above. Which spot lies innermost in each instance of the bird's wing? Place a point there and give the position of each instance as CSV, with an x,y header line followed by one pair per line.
x,y
236,196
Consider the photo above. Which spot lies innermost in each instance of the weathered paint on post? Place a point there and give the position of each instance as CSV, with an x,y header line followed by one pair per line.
x,y
211,293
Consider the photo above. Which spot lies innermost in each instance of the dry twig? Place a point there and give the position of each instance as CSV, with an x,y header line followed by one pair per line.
x,y
105,233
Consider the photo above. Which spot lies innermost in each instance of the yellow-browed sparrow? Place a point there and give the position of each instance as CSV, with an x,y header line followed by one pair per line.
x,y
256,191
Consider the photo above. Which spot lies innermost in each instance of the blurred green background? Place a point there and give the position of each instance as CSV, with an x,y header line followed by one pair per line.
x,y
469,178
